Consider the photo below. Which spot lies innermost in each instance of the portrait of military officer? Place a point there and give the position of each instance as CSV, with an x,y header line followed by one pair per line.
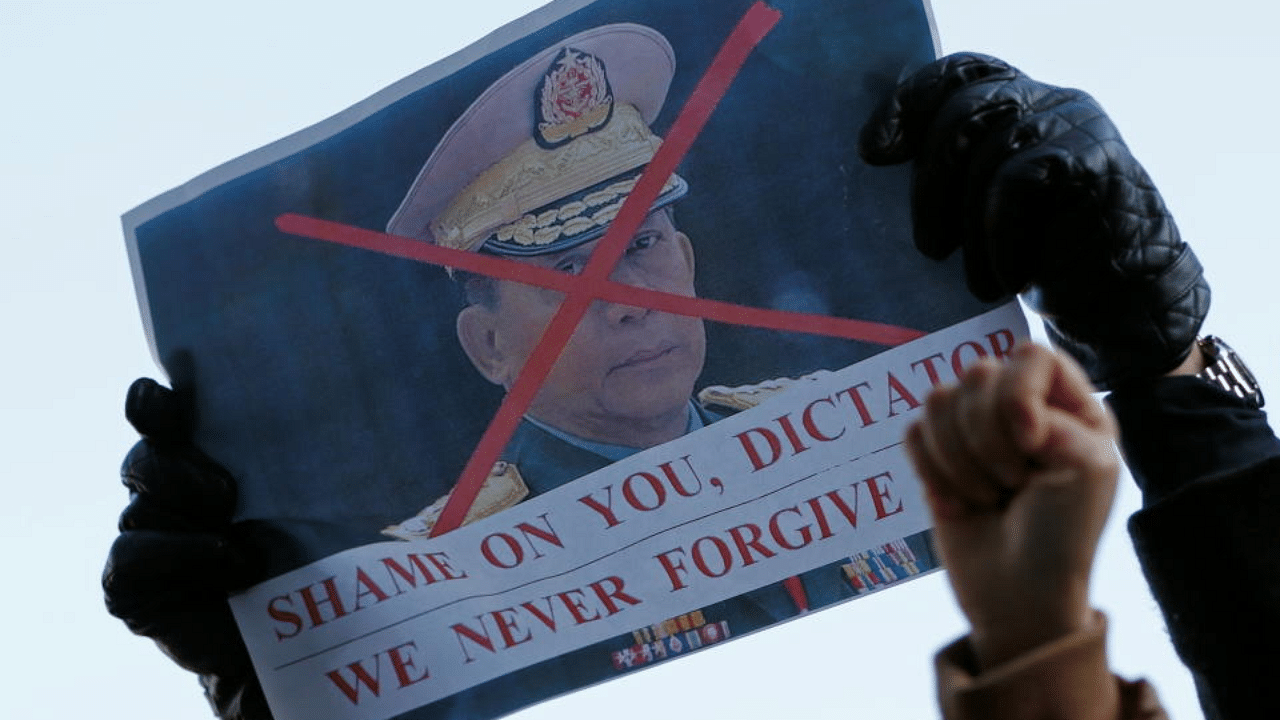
x,y
344,385
534,171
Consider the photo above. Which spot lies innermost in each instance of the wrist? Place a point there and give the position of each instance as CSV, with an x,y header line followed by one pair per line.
x,y
1225,369
1002,639
1193,365
1178,430
1068,678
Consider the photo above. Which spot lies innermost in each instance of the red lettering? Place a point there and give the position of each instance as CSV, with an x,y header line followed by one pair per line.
x,y
722,549
816,506
858,402
788,528
366,586
548,535
616,593
811,427
751,542
758,462
402,663
546,618
284,616
929,368
850,514
879,495
673,568
331,598
674,478
323,602
441,561
1002,341
899,393
394,568
572,600
462,631
655,485
610,594
516,552
789,430
505,619
605,511
775,530
362,677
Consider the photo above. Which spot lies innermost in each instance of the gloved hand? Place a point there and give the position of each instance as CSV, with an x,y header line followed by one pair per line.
x,y
1035,183
178,555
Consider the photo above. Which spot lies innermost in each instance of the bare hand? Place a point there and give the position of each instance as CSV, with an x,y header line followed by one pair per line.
x,y
1020,470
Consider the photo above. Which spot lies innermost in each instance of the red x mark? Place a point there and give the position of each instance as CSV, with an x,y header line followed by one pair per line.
x,y
593,283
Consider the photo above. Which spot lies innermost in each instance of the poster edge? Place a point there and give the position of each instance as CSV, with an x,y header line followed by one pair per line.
x,y
350,116
308,136
933,27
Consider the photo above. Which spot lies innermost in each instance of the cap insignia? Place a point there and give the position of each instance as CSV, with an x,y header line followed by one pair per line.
x,y
573,99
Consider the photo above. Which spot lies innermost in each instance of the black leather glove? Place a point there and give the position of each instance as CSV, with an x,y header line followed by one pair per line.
x,y
1035,183
178,555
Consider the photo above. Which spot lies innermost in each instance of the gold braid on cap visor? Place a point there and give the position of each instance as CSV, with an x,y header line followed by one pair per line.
x,y
536,201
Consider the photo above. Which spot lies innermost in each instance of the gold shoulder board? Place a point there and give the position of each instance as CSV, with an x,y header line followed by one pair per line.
x,y
502,489
745,397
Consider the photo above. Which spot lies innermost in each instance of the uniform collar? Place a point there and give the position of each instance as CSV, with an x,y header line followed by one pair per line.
x,y
610,451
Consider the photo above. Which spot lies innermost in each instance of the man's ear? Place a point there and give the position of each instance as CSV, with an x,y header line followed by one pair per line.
x,y
477,333
686,247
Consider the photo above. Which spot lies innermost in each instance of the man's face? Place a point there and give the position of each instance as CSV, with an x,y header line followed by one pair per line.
x,y
626,375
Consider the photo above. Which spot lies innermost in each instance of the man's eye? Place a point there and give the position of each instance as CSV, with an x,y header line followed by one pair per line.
x,y
642,242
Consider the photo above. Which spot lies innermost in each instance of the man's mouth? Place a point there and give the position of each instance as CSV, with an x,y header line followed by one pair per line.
x,y
644,358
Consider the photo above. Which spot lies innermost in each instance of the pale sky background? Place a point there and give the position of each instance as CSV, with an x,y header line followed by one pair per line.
x,y
109,104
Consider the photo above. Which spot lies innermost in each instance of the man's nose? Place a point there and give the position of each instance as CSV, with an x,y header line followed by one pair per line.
x,y
620,313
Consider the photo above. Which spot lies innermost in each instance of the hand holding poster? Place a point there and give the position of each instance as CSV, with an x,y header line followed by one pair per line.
x,y
563,366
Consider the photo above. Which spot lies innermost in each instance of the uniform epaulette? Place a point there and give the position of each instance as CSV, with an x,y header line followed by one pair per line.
x,y
502,489
745,397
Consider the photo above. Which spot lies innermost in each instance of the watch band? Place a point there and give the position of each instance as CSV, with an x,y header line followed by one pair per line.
x,y
1225,369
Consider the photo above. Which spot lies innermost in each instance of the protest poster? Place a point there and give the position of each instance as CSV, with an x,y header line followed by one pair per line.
x,y
361,393
685,544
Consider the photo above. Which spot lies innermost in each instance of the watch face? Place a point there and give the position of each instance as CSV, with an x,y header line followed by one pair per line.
x,y
1229,372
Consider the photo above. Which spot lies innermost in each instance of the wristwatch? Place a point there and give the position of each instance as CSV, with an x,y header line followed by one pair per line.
x,y
1225,369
